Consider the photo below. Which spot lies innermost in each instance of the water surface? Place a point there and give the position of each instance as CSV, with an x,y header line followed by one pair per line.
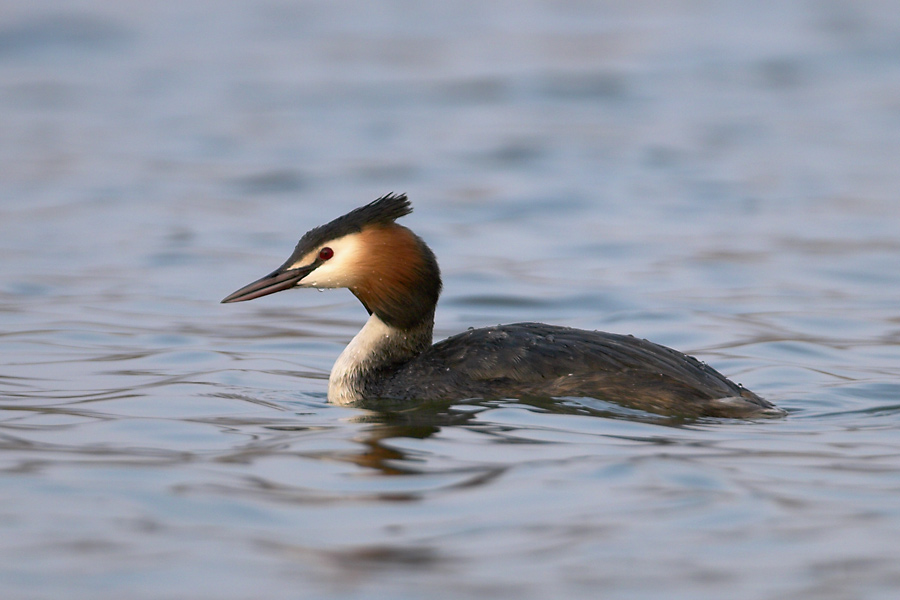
x,y
717,177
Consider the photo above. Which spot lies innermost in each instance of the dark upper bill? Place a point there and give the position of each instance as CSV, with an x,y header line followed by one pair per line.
x,y
271,283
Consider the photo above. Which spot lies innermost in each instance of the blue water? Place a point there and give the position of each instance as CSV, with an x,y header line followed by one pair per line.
x,y
718,177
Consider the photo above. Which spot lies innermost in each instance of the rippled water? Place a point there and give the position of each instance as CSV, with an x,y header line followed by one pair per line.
x,y
718,177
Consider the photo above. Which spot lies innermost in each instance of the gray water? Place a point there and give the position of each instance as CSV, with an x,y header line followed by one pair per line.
x,y
720,177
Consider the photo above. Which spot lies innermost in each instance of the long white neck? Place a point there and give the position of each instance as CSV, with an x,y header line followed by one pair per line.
x,y
371,355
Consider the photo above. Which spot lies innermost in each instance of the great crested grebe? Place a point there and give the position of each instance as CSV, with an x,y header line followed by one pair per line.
x,y
396,277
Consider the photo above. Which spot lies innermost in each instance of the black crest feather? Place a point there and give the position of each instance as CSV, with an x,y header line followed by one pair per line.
x,y
383,211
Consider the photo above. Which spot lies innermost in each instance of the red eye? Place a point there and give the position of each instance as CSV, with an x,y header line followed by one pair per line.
x,y
325,253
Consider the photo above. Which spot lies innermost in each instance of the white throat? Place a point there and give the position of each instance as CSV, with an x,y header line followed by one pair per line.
x,y
345,385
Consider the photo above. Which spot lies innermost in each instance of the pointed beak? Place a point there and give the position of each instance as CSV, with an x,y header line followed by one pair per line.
x,y
282,279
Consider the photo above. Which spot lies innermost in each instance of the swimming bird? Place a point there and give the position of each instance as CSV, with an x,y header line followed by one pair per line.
x,y
395,276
